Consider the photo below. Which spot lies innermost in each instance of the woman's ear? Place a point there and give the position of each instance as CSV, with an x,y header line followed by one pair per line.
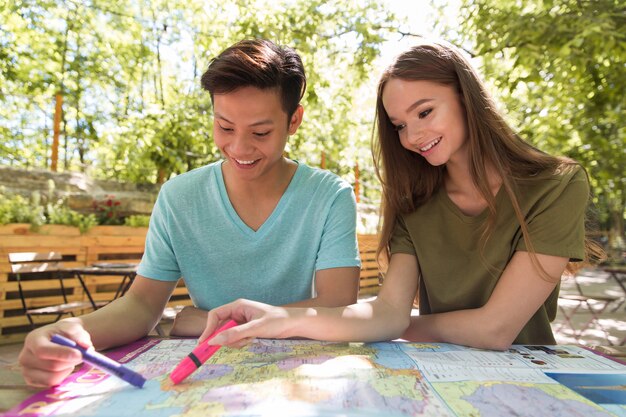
x,y
296,119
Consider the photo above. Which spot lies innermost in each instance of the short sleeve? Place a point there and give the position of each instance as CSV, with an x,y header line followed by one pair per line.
x,y
339,247
159,261
401,241
557,224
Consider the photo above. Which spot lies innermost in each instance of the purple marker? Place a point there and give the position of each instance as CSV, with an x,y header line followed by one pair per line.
x,y
102,362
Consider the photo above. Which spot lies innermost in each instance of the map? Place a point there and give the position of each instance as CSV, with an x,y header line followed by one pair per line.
x,y
309,378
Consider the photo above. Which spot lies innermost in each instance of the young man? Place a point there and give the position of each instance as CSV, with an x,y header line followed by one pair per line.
x,y
255,225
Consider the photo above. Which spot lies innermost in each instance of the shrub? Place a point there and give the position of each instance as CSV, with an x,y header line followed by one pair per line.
x,y
38,210
60,214
138,220
18,209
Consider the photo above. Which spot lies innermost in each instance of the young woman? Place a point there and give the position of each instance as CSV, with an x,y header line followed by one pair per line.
x,y
254,225
478,222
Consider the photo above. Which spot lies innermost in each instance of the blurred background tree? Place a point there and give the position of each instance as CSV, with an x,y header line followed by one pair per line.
x,y
559,67
128,72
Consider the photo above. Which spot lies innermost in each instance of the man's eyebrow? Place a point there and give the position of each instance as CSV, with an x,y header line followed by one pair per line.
x,y
263,122
259,123
219,116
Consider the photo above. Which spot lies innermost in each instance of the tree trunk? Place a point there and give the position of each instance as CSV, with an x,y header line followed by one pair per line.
x,y
356,181
58,109
161,176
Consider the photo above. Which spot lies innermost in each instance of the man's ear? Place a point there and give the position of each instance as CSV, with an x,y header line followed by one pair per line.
x,y
296,119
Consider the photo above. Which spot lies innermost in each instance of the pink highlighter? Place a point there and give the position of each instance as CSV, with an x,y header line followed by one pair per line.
x,y
198,356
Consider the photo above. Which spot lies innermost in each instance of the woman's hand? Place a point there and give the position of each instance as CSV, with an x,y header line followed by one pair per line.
x,y
45,363
255,320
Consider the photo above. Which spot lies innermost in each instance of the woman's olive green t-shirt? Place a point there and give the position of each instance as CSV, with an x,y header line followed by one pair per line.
x,y
458,273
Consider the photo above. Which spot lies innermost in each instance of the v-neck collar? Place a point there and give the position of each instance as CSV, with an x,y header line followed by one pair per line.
x,y
267,224
447,201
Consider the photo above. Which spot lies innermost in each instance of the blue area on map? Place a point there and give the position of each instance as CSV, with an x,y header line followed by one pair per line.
x,y
392,356
599,388
133,402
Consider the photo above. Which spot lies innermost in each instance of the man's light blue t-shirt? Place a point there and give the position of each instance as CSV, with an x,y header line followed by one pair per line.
x,y
195,233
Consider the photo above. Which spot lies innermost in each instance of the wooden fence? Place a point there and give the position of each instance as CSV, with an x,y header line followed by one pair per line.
x,y
100,244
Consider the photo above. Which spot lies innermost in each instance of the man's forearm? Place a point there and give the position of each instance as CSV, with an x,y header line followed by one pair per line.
x,y
110,325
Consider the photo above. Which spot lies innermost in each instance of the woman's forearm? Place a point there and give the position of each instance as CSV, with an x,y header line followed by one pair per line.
x,y
464,327
362,322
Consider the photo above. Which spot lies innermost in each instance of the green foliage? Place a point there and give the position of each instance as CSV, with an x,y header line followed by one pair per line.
x,y
57,211
18,209
560,69
61,214
139,220
133,109
37,212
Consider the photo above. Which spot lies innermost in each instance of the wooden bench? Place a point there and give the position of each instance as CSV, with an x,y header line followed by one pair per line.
x,y
44,271
369,281
100,244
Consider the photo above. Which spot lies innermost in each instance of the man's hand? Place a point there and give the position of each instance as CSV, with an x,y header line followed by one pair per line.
x,y
45,363
190,321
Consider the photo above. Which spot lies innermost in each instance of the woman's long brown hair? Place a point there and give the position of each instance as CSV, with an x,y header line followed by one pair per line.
x,y
408,180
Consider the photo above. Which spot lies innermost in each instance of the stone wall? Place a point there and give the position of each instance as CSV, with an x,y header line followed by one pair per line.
x,y
79,190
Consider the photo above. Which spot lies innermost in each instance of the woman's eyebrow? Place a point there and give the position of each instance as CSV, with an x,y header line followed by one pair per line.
x,y
418,103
